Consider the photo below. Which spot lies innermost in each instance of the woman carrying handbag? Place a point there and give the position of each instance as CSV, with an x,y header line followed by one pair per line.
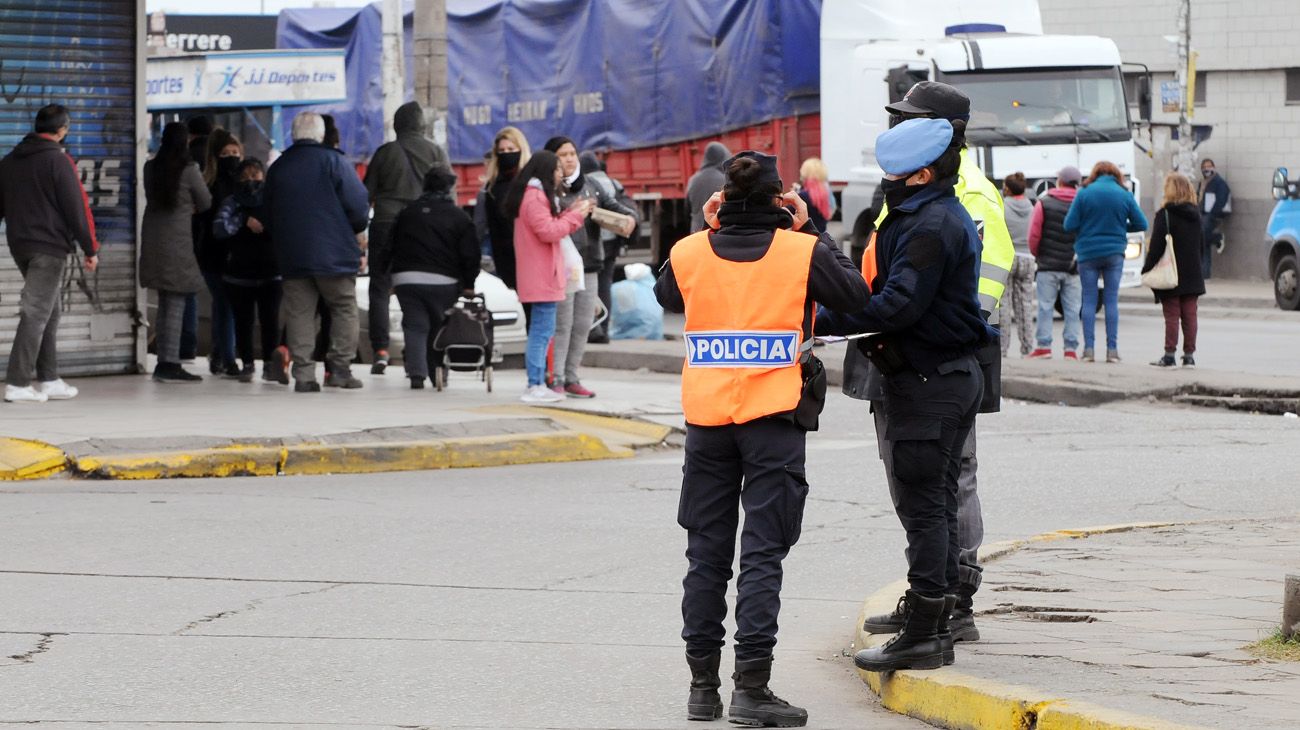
x,y
1173,267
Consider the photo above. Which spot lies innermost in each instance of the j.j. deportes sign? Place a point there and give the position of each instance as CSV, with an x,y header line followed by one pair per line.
x,y
267,78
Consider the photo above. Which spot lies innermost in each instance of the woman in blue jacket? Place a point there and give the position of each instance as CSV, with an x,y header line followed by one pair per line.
x,y
1101,217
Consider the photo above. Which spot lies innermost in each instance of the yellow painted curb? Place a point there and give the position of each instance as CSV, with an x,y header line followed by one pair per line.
x,y
642,433
237,461
457,453
22,459
957,701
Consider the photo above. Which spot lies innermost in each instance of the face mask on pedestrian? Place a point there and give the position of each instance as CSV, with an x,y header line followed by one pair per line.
x,y
250,187
508,161
1207,172
227,166
898,191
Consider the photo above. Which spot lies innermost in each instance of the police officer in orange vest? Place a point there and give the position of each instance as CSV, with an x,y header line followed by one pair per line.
x,y
750,394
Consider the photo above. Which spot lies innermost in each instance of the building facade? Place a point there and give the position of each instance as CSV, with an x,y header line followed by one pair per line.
x,y
1248,73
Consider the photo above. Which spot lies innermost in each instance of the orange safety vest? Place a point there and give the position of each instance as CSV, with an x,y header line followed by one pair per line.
x,y
744,326
869,265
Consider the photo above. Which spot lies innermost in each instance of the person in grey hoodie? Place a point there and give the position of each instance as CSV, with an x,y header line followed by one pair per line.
x,y
394,178
708,180
1020,286
44,206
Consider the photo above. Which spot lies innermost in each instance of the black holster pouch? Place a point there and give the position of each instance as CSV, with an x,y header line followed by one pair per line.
x,y
883,352
812,397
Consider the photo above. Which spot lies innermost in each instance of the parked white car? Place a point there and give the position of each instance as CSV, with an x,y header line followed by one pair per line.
x,y
510,334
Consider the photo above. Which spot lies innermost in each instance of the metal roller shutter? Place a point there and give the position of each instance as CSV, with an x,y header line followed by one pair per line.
x,y
83,54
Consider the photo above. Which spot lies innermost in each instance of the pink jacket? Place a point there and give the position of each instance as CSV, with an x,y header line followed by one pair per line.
x,y
539,262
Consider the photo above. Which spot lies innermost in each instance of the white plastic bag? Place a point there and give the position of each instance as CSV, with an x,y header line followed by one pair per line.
x,y
573,267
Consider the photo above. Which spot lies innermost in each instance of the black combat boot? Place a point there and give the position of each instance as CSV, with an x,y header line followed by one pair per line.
x,y
945,636
754,705
917,646
704,702
886,623
962,621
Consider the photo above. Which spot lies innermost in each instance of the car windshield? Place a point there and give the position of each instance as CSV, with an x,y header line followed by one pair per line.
x,y
1044,107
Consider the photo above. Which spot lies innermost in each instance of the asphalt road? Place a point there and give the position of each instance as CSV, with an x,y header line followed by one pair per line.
x,y
524,597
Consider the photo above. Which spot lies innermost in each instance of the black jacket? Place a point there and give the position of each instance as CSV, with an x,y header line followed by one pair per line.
x,y
1184,222
42,202
833,281
926,288
395,176
315,206
591,248
434,235
249,256
1056,246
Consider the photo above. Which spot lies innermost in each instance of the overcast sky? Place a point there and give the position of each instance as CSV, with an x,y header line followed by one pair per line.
x,y
239,7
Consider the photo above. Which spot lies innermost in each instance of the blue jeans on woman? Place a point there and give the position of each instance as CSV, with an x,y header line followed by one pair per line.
x,y
1109,269
541,328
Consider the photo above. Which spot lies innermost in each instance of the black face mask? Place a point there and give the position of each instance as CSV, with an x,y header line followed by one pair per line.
x,y
508,161
1207,172
898,191
250,187
226,166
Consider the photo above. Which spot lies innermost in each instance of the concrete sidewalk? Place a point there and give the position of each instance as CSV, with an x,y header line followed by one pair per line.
x,y
1219,293
131,427
1114,628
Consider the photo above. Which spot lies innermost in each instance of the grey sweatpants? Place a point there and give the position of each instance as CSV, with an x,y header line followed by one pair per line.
x,y
298,312
35,346
573,321
970,517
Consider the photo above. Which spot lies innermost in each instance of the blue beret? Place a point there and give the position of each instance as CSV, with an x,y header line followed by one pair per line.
x,y
912,145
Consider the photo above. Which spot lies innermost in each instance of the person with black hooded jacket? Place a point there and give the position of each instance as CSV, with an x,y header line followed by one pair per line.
x,y
394,178
1179,218
436,258
706,181
576,313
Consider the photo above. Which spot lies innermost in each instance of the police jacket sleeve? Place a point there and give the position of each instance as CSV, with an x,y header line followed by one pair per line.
x,y
915,272
667,291
833,281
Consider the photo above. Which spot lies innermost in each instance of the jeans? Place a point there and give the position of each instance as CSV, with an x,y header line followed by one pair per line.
x,y
299,313
1175,309
35,340
1109,269
540,331
573,321
223,321
424,307
1050,284
1209,236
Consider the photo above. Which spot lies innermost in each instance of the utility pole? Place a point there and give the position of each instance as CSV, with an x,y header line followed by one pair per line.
x,y
1186,154
392,64
431,64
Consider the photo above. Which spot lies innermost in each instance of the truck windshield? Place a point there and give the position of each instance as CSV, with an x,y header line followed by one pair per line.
x,y
1053,106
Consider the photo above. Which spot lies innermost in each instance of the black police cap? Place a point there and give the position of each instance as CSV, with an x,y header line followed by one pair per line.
x,y
933,98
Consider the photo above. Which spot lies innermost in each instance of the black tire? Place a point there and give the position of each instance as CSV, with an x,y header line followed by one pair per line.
x,y
1286,283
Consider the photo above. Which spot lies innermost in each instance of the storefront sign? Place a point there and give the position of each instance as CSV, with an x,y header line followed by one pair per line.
x,y
269,78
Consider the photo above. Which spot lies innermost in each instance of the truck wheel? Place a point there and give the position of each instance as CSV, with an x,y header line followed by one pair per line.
x,y
1286,283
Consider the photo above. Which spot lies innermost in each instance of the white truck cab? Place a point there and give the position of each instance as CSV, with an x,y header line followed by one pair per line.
x,y
1038,103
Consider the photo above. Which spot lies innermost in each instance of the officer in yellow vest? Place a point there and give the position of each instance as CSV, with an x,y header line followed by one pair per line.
x,y
747,286
980,198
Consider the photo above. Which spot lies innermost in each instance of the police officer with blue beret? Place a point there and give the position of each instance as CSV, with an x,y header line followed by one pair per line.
x,y
925,314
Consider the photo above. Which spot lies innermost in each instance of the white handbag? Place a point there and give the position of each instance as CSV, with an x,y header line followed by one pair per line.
x,y
574,280
1164,275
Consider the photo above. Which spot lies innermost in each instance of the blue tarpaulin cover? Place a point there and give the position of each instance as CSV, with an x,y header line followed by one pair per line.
x,y
616,73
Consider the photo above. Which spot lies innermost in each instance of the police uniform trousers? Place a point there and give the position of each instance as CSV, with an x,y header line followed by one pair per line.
x,y
757,466
923,427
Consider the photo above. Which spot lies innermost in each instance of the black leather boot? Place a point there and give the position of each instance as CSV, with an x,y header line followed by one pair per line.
x,y
945,636
886,623
754,705
704,702
962,621
917,646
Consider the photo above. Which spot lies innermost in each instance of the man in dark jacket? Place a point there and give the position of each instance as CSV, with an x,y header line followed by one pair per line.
x,y
315,207
708,180
593,170
45,207
1058,273
394,178
1216,205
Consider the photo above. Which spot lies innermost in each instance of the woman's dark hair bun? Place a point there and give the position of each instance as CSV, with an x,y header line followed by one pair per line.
x,y
743,180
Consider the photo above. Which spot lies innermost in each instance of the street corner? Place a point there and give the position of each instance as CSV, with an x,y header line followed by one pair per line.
x,y
232,461
455,453
616,429
22,459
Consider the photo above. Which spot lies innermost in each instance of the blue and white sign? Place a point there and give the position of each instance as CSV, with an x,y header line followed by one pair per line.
x,y
741,349
261,78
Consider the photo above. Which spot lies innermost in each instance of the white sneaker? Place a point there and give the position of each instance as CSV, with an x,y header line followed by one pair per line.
x,y
58,390
14,394
541,394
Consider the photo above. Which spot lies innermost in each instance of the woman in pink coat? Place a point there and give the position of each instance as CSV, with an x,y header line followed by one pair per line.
x,y
539,261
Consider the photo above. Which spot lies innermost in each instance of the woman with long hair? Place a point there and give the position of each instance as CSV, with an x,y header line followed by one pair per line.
x,y
1101,217
174,194
816,191
510,152
221,173
539,227
1180,218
